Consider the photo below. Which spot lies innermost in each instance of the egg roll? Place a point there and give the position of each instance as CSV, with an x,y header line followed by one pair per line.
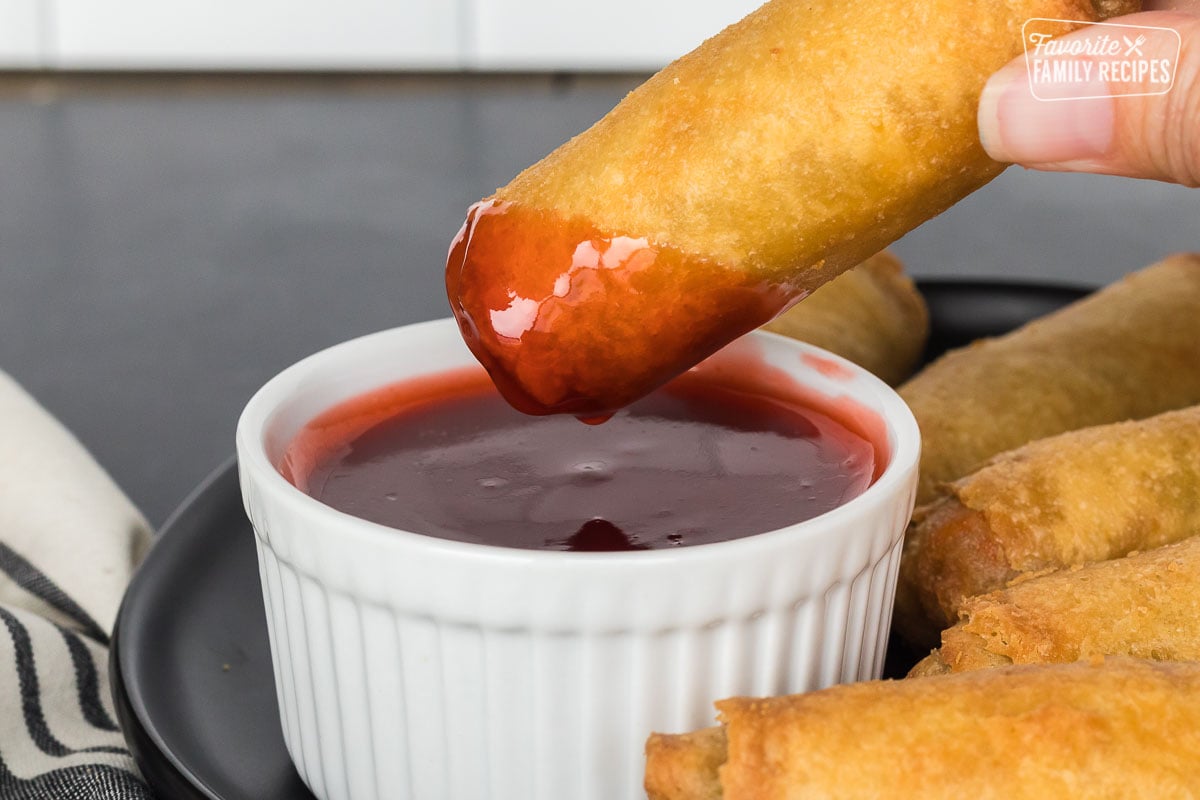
x,y
685,765
1129,351
872,315
1145,605
1087,495
780,153
1112,728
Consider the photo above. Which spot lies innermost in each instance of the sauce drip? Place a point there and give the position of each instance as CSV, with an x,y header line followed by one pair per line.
x,y
697,461
571,319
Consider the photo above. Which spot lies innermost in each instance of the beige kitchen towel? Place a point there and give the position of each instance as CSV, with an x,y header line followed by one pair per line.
x,y
69,540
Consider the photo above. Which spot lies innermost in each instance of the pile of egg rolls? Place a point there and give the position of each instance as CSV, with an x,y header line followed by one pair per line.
x,y
1072,440
1055,554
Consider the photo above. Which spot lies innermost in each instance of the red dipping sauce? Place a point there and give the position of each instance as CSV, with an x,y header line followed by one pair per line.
x,y
697,461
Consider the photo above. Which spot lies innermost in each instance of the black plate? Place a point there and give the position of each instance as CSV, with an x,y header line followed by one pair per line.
x,y
191,668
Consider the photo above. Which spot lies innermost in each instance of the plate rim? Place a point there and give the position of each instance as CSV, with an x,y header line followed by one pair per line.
x,y
135,721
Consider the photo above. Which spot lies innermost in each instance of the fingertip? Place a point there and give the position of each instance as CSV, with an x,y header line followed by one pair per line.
x,y
990,135
1057,123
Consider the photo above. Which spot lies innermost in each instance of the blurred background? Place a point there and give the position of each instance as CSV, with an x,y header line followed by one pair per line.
x,y
194,195
358,34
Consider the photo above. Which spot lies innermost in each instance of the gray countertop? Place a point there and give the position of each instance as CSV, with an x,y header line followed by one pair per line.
x,y
166,245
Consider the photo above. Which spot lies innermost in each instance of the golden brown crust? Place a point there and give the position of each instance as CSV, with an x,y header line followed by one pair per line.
x,y
800,140
929,666
1104,9
1127,352
951,553
684,766
1120,729
1083,496
1117,728
1094,493
872,315
1146,605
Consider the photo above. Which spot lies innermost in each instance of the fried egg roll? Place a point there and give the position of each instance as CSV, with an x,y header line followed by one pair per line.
x,y
872,315
1128,351
1088,495
685,765
1146,605
781,152
1113,728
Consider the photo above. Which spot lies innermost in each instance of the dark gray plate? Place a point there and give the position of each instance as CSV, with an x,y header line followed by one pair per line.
x,y
191,668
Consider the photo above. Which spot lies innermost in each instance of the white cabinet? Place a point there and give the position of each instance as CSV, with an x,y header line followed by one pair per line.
x,y
20,33
593,34
358,34
254,34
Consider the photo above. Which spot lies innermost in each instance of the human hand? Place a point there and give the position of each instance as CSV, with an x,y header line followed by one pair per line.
x,y
1154,136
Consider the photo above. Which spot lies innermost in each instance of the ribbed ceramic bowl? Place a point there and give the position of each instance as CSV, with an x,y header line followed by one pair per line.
x,y
414,668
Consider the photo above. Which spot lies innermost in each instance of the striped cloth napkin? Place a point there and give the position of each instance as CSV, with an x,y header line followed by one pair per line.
x,y
69,540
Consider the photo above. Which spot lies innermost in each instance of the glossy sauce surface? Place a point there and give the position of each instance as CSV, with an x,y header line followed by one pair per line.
x,y
571,319
697,461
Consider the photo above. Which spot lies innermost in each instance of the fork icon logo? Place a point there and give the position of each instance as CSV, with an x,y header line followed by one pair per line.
x,y
1134,46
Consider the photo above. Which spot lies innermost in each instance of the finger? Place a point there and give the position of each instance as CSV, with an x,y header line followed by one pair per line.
x,y
1153,136
1172,5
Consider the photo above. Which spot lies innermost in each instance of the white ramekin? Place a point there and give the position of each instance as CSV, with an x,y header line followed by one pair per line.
x,y
414,668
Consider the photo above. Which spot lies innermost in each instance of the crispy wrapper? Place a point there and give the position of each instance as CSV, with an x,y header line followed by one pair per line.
x,y
812,131
685,765
781,152
1113,728
1145,605
1127,352
1083,496
872,315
